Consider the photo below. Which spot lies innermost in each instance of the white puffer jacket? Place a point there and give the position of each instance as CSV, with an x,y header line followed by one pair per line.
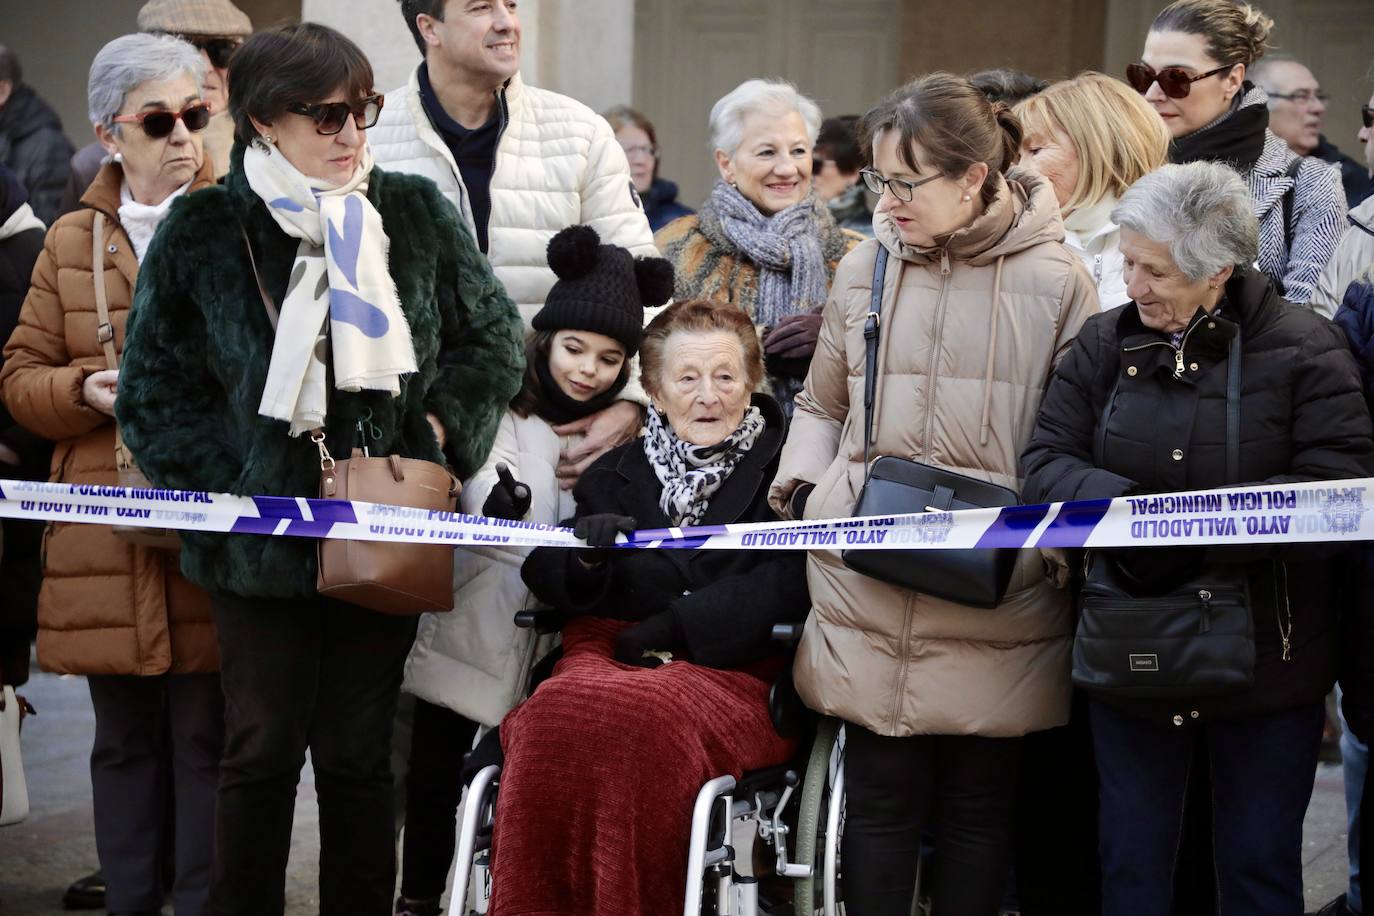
x,y
557,164
474,660
1090,233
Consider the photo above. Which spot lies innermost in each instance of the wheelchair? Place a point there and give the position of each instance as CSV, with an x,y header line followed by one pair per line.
x,y
790,816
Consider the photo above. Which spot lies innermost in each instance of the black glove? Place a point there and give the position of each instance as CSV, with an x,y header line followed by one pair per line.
x,y
659,633
509,499
599,532
1156,570
799,497
486,753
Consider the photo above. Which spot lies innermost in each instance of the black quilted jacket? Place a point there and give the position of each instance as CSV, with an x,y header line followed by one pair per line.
x,y
1303,417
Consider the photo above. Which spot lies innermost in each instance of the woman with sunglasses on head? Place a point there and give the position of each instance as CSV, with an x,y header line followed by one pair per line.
x,y
120,613
309,293
763,240
977,299
1193,72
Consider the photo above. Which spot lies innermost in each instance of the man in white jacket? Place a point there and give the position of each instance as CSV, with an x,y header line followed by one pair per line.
x,y
519,164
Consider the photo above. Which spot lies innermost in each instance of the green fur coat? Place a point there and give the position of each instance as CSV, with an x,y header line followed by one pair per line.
x,y
199,342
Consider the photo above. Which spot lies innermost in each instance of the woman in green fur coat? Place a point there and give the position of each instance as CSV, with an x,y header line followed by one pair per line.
x,y
391,323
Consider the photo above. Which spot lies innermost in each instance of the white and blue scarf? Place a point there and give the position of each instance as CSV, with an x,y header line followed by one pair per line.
x,y
340,275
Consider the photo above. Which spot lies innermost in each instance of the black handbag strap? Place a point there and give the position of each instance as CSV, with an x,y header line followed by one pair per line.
x,y
871,324
1232,415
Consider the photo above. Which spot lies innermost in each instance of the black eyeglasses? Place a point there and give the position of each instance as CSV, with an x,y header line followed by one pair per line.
x,y
901,189
1175,82
1367,116
219,50
330,117
160,122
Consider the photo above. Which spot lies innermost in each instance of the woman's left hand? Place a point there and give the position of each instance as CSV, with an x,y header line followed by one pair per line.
x,y
794,337
656,634
438,428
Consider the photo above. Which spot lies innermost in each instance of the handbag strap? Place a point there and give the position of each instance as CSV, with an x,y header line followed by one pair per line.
x,y
268,305
1233,364
104,328
871,324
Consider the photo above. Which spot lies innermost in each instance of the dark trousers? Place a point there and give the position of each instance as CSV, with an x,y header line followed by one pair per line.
x,y
960,788
154,766
306,674
1057,868
1262,770
439,740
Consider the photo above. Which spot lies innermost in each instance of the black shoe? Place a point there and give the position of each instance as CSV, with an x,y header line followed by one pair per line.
x,y
406,907
88,893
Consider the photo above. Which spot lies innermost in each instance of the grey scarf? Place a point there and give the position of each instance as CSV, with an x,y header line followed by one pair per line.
x,y
786,247
691,474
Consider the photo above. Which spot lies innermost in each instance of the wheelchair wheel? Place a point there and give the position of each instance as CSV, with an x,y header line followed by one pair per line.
x,y
819,822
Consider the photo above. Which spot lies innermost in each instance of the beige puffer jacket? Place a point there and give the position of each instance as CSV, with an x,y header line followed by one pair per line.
x,y
970,332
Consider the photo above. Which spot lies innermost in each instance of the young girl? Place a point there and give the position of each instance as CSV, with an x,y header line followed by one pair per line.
x,y
469,667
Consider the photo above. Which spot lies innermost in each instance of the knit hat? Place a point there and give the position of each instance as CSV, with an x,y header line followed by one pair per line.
x,y
601,288
215,18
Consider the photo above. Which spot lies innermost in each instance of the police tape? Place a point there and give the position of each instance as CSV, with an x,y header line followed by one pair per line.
x,y
1335,510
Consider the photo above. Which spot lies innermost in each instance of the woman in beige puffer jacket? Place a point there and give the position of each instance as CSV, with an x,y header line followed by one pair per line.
x,y
979,298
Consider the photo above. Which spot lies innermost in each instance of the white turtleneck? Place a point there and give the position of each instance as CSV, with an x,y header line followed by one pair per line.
x,y
140,221
1090,233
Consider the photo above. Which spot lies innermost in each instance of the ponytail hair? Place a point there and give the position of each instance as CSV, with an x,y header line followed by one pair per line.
x,y
952,122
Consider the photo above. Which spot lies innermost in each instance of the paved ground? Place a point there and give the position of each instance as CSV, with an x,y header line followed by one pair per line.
x,y
54,846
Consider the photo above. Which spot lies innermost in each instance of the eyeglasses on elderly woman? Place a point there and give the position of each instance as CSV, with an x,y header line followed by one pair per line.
x,y
1175,82
330,117
160,122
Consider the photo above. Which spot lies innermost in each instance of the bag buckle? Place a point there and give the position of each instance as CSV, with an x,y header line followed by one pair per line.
x,y
326,459
104,332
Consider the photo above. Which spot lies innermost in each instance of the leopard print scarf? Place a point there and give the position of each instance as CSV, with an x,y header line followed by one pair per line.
x,y
692,474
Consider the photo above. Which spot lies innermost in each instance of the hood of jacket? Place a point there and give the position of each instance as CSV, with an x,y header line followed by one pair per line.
x,y
25,113
1023,213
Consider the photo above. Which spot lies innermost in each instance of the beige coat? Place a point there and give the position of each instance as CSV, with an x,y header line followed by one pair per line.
x,y
970,333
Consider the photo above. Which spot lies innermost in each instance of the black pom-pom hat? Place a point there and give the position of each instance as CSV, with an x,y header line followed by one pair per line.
x,y
601,288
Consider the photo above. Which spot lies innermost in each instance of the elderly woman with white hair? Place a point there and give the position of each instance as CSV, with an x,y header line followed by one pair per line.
x,y
1146,402
763,241
117,612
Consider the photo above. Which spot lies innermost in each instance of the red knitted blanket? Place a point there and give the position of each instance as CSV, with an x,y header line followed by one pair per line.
x,y
603,764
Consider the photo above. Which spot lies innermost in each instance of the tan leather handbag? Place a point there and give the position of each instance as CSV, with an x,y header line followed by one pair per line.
x,y
390,578
130,477
382,576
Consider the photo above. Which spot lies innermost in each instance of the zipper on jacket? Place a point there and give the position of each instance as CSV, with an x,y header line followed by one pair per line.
x,y
505,122
1178,351
935,351
1097,269
900,693
1284,617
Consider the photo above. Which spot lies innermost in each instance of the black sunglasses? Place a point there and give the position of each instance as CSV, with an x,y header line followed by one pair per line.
x,y
219,50
330,117
160,122
1367,116
1175,82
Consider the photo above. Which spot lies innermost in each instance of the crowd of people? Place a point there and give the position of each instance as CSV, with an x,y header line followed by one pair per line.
x,y
1079,289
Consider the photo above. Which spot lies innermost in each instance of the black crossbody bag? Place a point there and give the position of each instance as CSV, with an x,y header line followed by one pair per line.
x,y
1198,639
896,486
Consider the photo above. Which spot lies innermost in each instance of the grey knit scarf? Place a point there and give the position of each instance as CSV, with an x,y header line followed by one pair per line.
x,y
786,247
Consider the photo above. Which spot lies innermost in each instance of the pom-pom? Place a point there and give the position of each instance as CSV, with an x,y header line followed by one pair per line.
x,y
572,252
655,279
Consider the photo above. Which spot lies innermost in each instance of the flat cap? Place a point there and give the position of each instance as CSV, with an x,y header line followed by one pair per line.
x,y
218,18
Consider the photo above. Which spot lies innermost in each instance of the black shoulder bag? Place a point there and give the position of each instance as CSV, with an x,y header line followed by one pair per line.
x,y
895,486
1197,639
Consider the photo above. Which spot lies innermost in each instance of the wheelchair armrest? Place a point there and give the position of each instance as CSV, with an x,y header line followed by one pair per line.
x,y
788,634
791,717
543,620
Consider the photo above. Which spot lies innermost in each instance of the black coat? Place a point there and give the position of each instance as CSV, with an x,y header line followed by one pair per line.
x,y
1303,417
725,601
1356,318
33,145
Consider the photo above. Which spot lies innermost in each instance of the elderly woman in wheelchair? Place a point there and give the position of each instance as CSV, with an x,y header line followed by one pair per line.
x,y
667,658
